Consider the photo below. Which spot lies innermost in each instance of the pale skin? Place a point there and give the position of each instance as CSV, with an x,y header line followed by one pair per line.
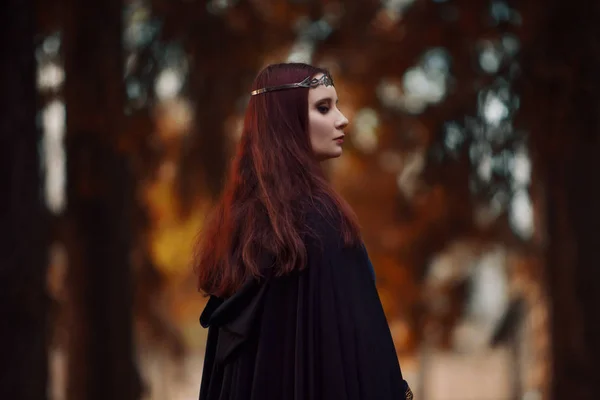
x,y
326,122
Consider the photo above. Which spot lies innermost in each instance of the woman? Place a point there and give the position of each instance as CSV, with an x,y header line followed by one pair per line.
x,y
293,311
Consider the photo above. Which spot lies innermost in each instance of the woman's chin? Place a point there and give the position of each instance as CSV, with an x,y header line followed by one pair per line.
x,y
329,156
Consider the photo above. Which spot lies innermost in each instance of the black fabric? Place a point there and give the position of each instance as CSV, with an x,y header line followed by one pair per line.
x,y
319,333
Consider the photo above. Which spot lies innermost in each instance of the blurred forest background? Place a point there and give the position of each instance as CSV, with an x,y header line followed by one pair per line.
x,y
472,164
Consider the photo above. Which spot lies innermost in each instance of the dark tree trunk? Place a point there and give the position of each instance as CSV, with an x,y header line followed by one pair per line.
x,y
561,109
221,71
574,273
23,298
573,220
100,197
214,86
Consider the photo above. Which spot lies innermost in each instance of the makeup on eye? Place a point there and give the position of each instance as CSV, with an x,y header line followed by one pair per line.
x,y
323,105
323,109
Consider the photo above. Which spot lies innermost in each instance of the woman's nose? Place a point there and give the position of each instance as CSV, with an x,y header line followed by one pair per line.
x,y
342,122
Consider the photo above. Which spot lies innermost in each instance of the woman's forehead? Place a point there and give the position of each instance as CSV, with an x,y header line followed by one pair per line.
x,y
322,92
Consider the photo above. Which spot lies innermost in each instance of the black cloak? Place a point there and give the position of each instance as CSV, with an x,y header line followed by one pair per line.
x,y
318,333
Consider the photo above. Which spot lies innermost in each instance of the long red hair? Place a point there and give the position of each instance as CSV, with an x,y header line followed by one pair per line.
x,y
273,181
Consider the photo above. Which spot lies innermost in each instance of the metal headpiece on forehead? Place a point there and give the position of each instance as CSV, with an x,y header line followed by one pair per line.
x,y
308,82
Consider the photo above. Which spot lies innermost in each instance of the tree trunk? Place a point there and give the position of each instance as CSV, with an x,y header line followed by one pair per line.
x,y
221,71
574,273
561,104
100,197
23,298
573,220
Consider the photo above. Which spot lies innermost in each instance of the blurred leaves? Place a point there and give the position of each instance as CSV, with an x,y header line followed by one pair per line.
x,y
428,86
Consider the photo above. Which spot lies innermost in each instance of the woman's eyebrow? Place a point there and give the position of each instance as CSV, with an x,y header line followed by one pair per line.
x,y
327,99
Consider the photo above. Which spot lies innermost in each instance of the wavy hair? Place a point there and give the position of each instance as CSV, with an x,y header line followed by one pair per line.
x,y
259,221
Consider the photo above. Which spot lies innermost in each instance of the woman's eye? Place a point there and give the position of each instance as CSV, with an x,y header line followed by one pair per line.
x,y
323,109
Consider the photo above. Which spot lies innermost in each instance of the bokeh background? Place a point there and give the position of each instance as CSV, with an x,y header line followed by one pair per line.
x,y
473,165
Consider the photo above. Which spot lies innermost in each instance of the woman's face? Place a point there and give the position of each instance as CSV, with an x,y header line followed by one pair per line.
x,y
326,122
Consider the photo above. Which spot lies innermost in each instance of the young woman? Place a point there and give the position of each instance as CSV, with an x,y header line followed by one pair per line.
x,y
293,311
